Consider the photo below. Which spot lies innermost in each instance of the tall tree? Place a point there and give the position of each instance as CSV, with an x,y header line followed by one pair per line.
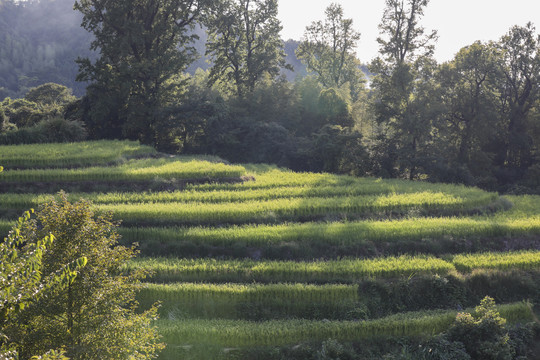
x,y
405,39
142,44
402,73
520,90
328,49
244,43
470,98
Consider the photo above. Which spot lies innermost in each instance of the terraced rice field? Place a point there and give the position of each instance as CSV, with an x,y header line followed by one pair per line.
x,y
250,257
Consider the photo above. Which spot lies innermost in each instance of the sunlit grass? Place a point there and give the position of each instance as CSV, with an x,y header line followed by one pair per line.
x,y
74,154
334,271
238,333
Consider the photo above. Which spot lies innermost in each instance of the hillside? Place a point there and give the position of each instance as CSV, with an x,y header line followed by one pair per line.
x,y
257,261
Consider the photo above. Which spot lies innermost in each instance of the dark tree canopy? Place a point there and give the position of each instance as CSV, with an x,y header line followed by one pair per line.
x,y
520,90
142,45
401,85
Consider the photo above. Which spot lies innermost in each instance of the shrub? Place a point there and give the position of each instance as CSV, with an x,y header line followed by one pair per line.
x,y
483,334
101,297
55,129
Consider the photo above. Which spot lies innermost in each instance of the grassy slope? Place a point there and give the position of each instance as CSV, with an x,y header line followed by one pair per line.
x,y
288,216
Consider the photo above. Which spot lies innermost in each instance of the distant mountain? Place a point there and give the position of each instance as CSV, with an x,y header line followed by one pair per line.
x,y
39,42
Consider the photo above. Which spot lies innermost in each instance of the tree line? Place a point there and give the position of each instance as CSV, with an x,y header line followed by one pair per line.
x,y
472,120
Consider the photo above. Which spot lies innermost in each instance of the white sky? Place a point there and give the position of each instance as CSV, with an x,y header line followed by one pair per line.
x,y
458,22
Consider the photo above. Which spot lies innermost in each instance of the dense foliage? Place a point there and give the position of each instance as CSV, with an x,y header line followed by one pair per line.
x,y
56,292
23,282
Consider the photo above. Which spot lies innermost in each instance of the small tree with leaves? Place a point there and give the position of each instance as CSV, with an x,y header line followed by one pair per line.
x,y
101,297
23,284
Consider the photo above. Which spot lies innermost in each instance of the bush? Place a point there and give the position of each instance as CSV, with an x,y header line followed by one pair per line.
x,y
5,125
58,129
333,350
22,283
483,334
50,94
55,129
24,113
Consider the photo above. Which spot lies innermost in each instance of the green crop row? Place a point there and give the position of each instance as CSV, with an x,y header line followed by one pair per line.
x,y
238,333
525,260
339,233
267,177
70,155
233,301
522,219
132,170
22,201
295,208
343,270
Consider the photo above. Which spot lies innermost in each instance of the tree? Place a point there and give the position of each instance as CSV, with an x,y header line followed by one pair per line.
x,y
328,48
406,40
142,45
101,297
401,84
470,100
22,283
244,43
335,107
50,94
520,90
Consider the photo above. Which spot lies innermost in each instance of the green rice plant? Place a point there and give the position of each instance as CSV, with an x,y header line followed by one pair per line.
x,y
524,260
267,177
245,301
70,155
335,233
22,201
132,170
522,220
335,271
238,333
296,208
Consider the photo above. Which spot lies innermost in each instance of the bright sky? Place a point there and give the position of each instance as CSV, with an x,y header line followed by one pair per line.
x,y
458,22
